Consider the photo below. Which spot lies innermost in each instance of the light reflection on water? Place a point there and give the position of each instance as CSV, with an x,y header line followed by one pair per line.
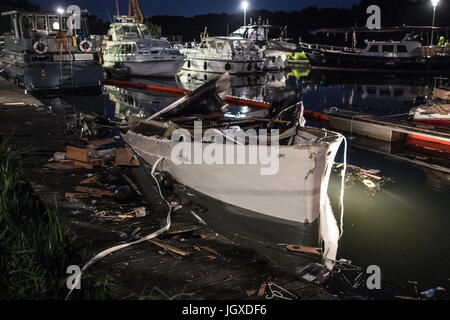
x,y
403,227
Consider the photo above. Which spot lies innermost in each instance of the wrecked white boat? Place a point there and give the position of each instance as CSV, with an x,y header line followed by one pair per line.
x,y
437,111
282,180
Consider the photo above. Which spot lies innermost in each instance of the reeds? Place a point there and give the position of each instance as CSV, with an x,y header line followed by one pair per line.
x,y
34,245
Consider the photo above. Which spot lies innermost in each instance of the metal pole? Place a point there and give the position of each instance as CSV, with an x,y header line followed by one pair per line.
x,y
432,27
245,17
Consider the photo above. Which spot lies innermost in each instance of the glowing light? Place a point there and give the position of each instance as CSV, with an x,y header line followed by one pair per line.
x,y
434,3
60,10
244,5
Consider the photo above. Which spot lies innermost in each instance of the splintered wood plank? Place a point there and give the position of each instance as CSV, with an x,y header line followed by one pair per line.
x,y
94,191
84,165
168,247
62,166
125,157
303,249
79,154
101,142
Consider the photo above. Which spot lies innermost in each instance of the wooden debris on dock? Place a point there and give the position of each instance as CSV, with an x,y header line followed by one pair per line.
x,y
250,292
197,247
125,157
101,142
76,195
62,166
170,248
302,249
136,213
262,289
94,192
84,157
90,180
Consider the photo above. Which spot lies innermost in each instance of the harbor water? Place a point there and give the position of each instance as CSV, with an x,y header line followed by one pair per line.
x,y
401,225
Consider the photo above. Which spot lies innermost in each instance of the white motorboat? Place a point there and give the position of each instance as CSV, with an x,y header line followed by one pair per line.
x,y
436,111
133,47
274,48
224,54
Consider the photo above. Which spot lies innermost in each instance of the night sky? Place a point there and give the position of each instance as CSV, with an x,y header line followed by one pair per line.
x,y
105,8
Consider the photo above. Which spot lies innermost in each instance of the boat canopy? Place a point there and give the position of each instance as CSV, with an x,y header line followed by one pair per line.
x,y
255,33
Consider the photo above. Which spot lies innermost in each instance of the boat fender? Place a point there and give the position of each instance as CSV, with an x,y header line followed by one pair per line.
x,y
40,47
205,66
228,66
189,63
85,46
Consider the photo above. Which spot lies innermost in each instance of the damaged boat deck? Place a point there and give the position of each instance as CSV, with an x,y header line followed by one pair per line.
x,y
198,263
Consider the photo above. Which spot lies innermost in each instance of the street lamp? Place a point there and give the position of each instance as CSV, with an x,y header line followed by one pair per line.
x,y
60,11
434,3
244,6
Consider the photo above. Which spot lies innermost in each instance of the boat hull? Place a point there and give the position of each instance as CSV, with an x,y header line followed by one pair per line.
x,y
294,193
161,68
41,76
359,62
221,66
258,211
275,60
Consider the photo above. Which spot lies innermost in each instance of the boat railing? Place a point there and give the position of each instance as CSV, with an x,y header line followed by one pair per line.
x,y
328,47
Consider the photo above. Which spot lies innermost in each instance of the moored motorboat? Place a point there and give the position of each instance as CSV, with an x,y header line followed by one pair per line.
x,y
273,47
224,54
43,52
405,56
131,46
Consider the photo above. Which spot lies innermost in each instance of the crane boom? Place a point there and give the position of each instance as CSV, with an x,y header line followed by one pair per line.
x,y
137,12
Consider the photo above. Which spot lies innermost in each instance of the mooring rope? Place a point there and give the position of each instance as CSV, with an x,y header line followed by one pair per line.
x,y
343,172
126,245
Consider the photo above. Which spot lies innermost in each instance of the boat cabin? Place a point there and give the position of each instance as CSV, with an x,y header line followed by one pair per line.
x,y
43,33
228,47
392,48
258,33
126,28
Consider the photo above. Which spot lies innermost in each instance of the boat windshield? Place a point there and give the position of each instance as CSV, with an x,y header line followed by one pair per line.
x,y
153,44
255,33
144,30
127,31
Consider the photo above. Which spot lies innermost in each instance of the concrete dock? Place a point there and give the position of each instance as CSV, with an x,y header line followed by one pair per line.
x,y
14,95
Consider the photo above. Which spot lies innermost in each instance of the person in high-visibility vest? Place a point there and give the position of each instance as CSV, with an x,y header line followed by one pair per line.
x,y
441,42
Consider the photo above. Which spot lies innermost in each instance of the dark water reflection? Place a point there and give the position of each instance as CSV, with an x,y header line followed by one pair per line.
x,y
403,227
